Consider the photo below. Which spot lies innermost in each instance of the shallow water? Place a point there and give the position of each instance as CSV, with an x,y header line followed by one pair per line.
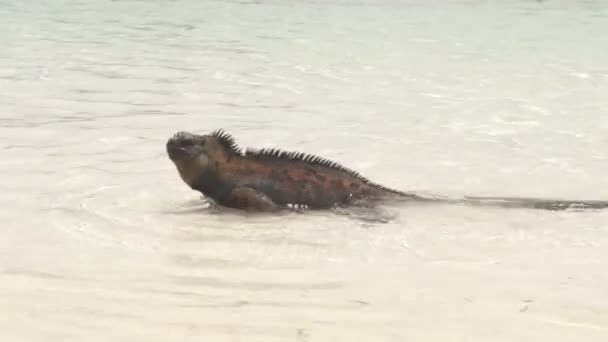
x,y
101,241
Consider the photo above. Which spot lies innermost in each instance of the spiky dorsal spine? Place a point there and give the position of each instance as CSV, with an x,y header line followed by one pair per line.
x,y
311,159
230,144
227,141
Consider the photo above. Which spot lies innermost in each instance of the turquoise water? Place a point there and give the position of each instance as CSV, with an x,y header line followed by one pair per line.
x,y
101,241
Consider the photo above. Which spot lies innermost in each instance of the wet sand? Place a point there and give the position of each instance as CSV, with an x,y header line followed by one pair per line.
x,y
101,241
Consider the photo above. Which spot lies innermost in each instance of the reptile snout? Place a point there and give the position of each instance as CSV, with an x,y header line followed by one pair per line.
x,y
179,144
181,139
182,136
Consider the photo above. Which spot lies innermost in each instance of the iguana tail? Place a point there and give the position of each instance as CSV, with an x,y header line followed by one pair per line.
x,y
535,203
513,202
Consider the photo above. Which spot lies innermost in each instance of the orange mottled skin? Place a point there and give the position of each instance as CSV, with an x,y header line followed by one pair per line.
x,y
268,179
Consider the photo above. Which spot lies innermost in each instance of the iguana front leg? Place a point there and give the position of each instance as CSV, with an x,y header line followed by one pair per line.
x,y
243,197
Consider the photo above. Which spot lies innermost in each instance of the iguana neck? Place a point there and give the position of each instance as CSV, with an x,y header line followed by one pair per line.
x,y
211,185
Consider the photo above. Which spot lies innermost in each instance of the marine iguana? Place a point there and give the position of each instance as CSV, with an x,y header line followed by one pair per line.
x,y
273,179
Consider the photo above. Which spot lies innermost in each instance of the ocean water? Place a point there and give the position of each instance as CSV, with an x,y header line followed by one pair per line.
x,y
101,241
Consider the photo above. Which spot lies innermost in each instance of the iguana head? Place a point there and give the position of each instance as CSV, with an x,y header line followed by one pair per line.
x,y
194,154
